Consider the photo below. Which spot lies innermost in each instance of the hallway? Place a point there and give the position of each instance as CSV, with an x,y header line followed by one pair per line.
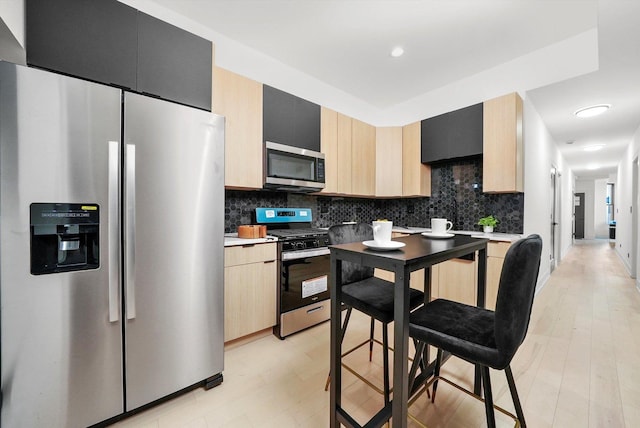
x,y
578,367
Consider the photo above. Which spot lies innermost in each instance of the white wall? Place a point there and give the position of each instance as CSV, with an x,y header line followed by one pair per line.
x,y
601,227
12,13
540,154
623,203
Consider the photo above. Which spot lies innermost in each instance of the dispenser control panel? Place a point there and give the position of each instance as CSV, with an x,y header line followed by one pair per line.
x,y
64,237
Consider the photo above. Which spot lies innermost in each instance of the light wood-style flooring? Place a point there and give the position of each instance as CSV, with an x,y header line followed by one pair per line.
x,y
578,367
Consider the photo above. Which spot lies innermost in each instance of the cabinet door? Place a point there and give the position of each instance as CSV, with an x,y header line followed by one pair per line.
x,y
329,146
345,155
172,63
416,176
456,280
95,40
503,160
249,299
495,259
389,161
363,157
452,135
290,120
239,100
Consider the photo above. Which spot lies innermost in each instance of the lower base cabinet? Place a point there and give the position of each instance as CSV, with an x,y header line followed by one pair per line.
x,y
250,289
495,259
455,280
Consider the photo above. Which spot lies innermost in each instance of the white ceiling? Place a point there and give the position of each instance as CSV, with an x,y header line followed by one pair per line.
x,y
449,46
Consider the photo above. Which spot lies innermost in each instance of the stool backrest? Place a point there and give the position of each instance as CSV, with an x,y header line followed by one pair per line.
x,y
515,294
346,234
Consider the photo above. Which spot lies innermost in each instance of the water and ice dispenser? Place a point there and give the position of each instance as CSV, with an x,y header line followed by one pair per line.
x,y
64,237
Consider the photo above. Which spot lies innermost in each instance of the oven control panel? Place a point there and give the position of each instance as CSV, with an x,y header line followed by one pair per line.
x,y
305,243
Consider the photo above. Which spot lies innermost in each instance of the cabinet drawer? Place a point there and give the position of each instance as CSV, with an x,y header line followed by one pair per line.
x,y
497,249
244,254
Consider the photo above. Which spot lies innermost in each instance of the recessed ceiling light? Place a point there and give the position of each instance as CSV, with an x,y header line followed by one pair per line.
x,y
592,166
593,148
592,110
397,51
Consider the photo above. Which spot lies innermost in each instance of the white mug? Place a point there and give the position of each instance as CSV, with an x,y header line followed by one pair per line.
x,y
382,232
440,226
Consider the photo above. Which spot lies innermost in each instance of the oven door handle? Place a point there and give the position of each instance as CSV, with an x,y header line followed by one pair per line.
x,y
303,254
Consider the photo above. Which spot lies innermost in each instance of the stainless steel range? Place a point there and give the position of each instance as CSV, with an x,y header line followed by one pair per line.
x,y
303,268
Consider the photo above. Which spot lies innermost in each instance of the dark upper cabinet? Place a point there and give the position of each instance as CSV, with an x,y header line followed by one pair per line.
x,y
109,42
452,135
95,40
173,63
290,120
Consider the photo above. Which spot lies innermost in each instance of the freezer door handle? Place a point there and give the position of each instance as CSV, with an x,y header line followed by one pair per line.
x,y
130,230
113,230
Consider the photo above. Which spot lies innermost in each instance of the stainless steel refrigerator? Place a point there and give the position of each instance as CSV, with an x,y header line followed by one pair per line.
x,y
111,207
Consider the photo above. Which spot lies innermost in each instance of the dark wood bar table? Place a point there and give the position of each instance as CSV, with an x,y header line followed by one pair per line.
x,y
419,253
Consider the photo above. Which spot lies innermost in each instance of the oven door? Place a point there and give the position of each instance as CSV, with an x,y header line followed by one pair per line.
x,y
304,278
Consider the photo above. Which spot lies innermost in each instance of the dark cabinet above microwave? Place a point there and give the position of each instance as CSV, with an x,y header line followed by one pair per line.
x,y
453,135
108,42
290,120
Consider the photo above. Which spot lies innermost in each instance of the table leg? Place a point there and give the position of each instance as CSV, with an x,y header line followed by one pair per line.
x,y
335,348
480,302
401,345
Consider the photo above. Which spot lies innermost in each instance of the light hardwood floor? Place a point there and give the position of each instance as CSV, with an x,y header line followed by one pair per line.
x,y
578,367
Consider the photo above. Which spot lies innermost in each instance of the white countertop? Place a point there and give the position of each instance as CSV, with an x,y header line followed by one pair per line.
x,y
231,239
494,236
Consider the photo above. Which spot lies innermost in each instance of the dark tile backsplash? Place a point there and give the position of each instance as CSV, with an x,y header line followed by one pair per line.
x,y
456,193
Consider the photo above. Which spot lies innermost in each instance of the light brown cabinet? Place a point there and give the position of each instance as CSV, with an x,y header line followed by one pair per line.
x,y
250,289
239,100
495,259
363,158
389,161
329,146
456,280
416,176
503,153
351,145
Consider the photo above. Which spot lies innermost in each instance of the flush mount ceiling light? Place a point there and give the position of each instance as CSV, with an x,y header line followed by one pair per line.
x,y
397,51
592,110
593,148
592,167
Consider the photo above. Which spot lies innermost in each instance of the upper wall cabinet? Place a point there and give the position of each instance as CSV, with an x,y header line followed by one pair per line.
x,y
239,100
108,42
363,158
503,160
389,161
416,176
96,40
452,135
173,64
290,120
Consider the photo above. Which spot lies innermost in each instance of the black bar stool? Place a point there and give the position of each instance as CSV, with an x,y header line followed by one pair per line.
x,y
480,336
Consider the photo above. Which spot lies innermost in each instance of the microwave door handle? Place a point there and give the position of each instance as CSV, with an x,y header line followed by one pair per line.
x,y
130,231
113,207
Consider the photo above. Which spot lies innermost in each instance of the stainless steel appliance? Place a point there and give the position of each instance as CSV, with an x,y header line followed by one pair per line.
x,y
112,224
292,168
303,268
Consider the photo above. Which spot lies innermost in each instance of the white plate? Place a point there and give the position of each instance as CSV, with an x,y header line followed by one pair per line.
x,y
389,246
438,235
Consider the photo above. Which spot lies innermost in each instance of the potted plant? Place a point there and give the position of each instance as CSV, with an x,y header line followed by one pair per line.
x,y
488,223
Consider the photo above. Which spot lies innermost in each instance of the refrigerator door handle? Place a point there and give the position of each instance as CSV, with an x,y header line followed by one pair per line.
x,y
113,230
130,230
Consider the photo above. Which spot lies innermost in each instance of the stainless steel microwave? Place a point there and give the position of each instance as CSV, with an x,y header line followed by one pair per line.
x,y
292,168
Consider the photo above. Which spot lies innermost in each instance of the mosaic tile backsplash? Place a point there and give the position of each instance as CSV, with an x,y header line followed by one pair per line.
x,y
456,194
